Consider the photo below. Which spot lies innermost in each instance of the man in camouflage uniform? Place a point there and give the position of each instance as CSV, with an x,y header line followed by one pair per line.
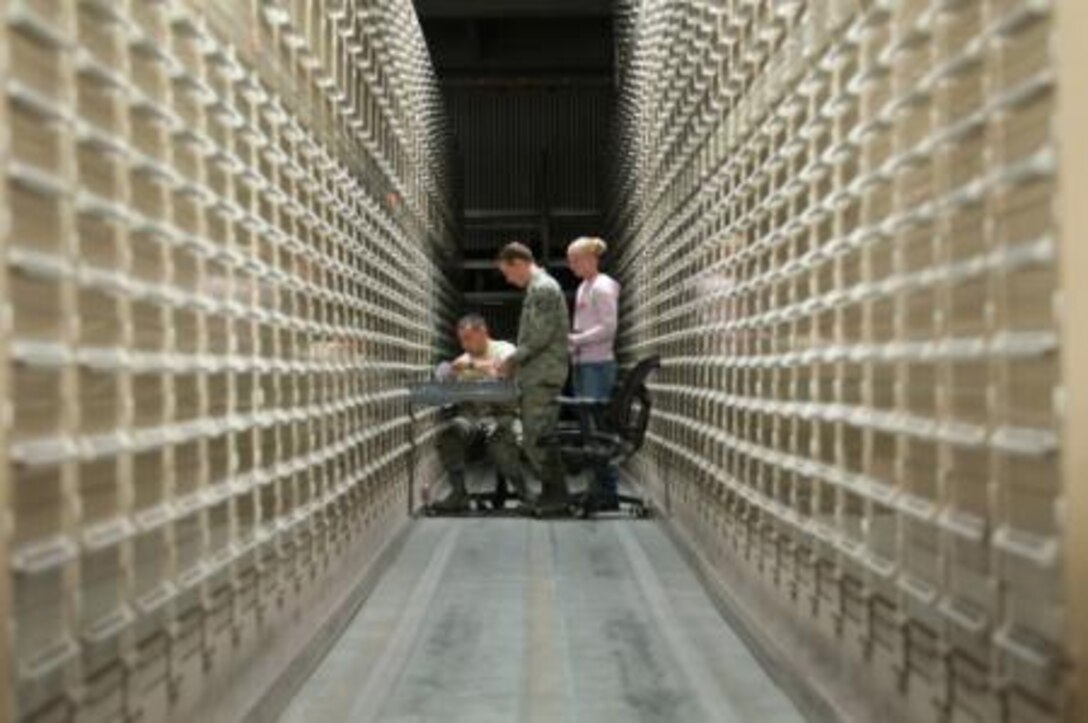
x,y
496,426
540,365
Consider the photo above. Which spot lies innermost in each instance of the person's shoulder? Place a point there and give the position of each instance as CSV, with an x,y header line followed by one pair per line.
x,y
500,348
609,284
546,283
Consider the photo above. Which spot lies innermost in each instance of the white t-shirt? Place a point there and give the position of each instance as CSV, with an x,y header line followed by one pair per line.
x,y
496,351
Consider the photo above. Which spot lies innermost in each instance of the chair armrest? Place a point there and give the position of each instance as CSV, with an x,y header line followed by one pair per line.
x,y
588,410
612,439
582,402
561,436
578,437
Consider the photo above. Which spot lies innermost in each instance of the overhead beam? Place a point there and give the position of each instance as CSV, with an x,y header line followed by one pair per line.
x,y
490,46
512,8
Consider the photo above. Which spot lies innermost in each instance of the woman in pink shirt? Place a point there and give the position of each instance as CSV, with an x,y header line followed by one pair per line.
x,y
592,342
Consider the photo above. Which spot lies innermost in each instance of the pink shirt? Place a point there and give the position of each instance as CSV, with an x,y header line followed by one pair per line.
x,y
596,310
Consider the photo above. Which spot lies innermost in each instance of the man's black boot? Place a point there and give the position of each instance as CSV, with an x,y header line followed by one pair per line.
x,y
457,500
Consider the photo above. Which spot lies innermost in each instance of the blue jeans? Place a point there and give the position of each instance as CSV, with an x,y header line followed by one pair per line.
x,y
597,381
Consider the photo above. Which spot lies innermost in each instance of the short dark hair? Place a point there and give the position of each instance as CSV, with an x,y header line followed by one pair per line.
x,y
515,251
472,321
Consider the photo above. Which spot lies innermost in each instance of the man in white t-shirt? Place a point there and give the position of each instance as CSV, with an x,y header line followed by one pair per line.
x,y
494,425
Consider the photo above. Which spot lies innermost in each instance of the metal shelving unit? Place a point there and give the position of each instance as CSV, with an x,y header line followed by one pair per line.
x,y
227,231
838,231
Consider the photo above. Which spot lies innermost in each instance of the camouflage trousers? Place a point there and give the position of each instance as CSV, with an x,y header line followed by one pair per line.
x,y
466,437
539,417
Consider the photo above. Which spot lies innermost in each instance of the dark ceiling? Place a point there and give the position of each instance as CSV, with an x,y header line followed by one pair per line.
x,y
492,39
512,8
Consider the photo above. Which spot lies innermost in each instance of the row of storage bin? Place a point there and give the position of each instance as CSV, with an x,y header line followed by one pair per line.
x,y
837,229
230,233
114,540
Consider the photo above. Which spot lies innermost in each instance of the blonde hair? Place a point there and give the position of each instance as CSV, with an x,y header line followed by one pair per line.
x,y
587,245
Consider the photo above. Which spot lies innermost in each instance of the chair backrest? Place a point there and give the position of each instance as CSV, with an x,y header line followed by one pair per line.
x,y
628,413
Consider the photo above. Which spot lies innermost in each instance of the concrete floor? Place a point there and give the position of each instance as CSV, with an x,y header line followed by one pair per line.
x,y
482,620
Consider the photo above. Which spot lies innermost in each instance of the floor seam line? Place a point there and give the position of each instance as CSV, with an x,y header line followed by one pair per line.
x,y
561,610
714,704
390,664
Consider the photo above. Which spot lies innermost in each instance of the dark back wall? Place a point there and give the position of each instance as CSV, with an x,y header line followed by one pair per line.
x,y
530,147
528,86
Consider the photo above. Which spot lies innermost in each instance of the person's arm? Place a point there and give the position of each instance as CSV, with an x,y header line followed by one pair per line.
x,y
546,317
450,370
462,364
492,367
505,355
606,303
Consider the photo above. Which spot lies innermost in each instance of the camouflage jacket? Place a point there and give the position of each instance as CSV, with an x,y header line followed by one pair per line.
x,y
542,356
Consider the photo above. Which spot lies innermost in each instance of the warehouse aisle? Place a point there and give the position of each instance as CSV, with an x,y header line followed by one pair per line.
x,y
503,620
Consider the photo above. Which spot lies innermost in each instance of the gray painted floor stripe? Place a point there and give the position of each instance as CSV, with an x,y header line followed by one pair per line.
x,y
382,681
547,678
520,621
716,706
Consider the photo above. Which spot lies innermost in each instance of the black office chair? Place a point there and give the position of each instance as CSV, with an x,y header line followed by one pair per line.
x,y
607,432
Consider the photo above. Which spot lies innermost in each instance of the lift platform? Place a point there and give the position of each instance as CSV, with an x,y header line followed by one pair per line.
x,y
603,433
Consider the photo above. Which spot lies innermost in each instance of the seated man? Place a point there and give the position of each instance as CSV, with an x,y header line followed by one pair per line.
x,y
496,426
